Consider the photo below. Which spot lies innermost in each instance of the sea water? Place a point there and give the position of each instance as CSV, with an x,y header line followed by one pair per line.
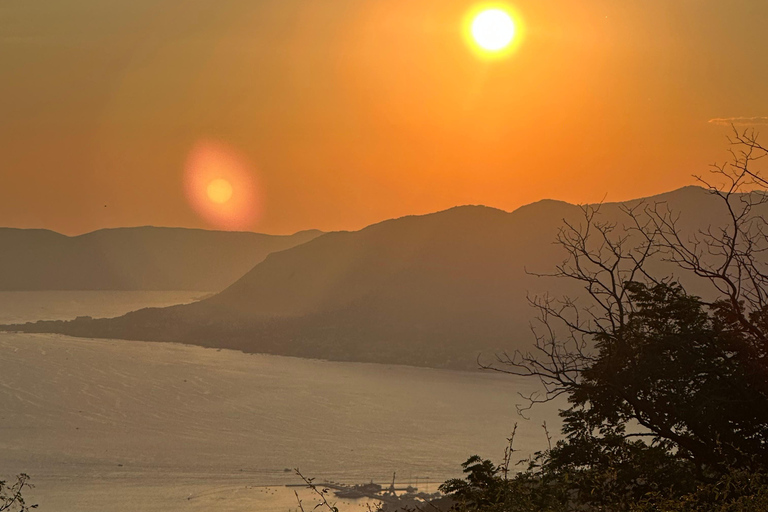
x,y
113,426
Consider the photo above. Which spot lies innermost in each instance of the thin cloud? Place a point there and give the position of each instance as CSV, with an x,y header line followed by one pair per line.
x,y
740,121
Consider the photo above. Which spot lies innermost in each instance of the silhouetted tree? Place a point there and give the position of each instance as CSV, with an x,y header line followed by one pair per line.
x,y
667,392
12,496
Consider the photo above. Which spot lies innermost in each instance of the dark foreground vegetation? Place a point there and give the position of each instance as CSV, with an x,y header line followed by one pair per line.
x,y
12,495
668,392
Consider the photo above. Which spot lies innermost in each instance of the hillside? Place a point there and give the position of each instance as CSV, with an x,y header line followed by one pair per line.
x,y
431,290
143,258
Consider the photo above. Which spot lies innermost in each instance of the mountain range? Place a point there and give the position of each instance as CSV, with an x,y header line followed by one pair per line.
x,y
142,258
432,290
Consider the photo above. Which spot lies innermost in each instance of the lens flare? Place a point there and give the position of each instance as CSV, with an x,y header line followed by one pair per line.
x,y
221,186
219,190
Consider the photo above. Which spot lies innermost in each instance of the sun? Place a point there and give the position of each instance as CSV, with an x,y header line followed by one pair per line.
x,y
219,191
493,30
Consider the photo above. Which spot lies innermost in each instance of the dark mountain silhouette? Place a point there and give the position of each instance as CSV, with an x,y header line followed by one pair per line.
x,y
432,290
144,258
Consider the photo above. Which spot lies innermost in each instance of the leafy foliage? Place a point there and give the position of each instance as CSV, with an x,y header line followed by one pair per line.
x,y
685,376
668,411
12,496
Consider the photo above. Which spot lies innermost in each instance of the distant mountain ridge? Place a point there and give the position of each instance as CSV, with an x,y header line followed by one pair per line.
x,y
432,290
141,258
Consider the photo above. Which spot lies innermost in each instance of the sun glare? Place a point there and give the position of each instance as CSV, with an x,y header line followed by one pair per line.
x,y
493,29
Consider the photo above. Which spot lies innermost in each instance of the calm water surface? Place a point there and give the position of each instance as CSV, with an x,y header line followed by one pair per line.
x,y
106,425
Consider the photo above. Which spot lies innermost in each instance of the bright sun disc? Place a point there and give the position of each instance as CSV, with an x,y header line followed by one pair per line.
x,y
219,191
493,29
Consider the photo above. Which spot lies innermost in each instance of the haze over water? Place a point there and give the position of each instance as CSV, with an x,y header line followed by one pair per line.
x,y
123,425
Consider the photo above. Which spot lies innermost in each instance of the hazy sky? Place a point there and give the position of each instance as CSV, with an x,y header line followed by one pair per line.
x,y
346,112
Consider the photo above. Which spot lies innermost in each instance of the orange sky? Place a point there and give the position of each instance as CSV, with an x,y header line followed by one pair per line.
x,y
348,112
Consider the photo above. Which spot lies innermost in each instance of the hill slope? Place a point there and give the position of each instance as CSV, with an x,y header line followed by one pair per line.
x,y
145,258
432,290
